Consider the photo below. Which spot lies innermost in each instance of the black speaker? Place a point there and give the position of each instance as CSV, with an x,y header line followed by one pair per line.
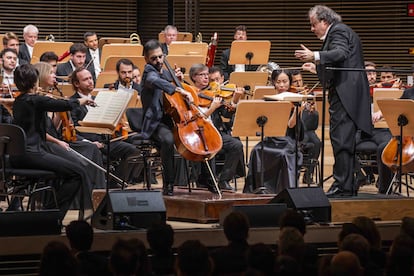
x,y
311,202
33,223
260,215
129,210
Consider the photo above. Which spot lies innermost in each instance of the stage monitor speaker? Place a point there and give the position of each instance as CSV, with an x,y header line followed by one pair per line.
x,y
259,215
129,210
30,223
310,201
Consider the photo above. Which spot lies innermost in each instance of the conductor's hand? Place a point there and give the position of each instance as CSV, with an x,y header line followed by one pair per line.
x,y
305,54
310,67
376,117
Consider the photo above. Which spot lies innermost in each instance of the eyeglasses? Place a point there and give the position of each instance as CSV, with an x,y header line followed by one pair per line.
x,y
154,58
202,74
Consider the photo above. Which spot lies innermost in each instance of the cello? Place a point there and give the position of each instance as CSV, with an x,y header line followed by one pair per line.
x,y
391,157
196,138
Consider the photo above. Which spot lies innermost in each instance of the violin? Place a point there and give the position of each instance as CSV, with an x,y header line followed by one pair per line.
x,y
391,157
195,137
68,127
206,97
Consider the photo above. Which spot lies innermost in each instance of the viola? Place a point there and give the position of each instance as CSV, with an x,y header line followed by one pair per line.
x,y
391,157
195,137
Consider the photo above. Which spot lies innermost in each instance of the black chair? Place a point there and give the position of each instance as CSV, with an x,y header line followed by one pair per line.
x,y
366,167
150,156
19,183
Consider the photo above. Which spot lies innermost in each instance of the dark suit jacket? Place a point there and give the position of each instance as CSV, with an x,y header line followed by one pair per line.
x,y
342,49
154,85
91,66
65,69
24,53
227,68
408,94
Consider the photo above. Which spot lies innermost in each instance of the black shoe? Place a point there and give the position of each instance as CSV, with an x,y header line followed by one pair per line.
x,y
224,185
168,189
308,179
337,192
212,188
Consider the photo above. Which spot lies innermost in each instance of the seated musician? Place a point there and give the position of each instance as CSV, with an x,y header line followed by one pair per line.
x,y
170,35
311,143
156,124
82,84
240,33
380,136
51,58
93,54
29,112
9,63
279,152
136,76
60,139
124,69
389,78
232,147
11,40
77,60
384,173
30,35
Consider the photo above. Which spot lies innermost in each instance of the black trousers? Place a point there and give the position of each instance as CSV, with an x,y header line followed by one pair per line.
x,y
233,157
71,173
342,134
164,138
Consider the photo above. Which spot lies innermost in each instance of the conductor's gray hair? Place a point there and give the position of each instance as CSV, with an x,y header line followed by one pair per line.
x,y
323,13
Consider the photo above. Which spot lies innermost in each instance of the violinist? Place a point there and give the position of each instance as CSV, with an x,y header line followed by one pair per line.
x,y
11,40
55,137
83,85
156,124
29,112
371,75
232,146
311,143
93,54
279,152
9,58
51,58
389,79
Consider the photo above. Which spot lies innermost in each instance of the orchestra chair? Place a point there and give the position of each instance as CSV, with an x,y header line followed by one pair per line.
x,y
110,63
366,157
181,36
105,78
108,40
150,156
117,49
19,183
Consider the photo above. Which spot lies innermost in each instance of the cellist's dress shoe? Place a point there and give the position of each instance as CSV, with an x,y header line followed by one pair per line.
x,y
168,189
337,192
224,185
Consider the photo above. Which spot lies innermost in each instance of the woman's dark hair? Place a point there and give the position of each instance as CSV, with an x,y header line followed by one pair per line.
x,y
25,77
276,73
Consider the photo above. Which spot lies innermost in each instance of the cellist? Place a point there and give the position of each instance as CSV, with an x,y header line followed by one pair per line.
x,y
156,124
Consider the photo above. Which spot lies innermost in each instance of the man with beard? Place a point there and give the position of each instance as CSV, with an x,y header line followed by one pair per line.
x,y
156,124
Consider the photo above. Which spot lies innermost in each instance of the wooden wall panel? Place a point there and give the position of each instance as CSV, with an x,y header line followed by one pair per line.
x,y
67,20
384,27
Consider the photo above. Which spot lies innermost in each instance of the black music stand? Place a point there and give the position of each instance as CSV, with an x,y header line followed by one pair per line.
x,y
400,119
249,52
251,119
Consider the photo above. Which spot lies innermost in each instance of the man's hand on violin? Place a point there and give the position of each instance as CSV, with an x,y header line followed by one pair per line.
x,y
305,54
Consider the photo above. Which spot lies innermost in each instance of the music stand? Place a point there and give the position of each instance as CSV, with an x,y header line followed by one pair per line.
x,y
253,117
400,119
110,40
249,52
43,46
181,36
384,93
117,49
185,62
248,80
179,48
110,63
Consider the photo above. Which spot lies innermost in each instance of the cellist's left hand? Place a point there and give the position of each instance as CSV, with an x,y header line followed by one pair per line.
x,y
186,94
178,73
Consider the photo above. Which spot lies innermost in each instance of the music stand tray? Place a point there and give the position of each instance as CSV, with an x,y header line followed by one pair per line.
x,y
249,52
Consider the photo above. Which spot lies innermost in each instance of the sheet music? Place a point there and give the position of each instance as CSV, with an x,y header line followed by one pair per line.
x,y
109,109
288,96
